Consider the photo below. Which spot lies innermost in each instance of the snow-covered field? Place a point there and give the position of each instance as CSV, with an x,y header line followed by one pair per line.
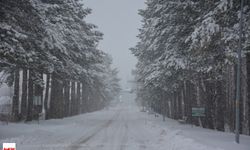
x,y
119,127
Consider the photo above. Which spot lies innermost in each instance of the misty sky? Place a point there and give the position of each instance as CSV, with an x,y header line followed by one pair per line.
x,y
119,21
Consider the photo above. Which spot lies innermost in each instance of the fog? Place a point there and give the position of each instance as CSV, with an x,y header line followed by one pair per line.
x,y
119,21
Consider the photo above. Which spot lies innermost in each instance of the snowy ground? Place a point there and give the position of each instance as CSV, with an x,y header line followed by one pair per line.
x,y
120,127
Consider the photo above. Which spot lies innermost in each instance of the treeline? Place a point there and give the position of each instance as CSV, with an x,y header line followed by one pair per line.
x,y
48,53
187,58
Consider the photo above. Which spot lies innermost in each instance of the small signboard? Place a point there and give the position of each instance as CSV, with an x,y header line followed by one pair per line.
x,y
198,112
37,100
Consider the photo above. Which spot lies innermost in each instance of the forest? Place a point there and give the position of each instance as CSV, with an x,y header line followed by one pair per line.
x,y
187,57
49,55
125,74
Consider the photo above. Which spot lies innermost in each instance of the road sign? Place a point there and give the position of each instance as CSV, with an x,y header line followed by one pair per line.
x,y
198,112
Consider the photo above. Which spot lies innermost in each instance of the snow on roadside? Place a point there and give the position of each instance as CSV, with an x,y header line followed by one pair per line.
x,y
52,134
136,130
186,137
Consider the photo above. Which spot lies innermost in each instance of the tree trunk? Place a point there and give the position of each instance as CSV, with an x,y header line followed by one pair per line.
x,y
24,94
37,101
164,105
66,99
77,106
248,88
179,96
209,106
87,102
61,101
30,97
185,99
194,101
15,100
84,98
240,102
56,102
168,109
73,98
172,105
229,116
46,96
220,106
53,112
188,101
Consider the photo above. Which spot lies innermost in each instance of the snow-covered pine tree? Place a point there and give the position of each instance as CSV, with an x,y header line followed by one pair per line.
x,y
184,50
56,41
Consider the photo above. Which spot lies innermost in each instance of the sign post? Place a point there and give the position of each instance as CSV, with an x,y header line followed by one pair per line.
x,y
197,112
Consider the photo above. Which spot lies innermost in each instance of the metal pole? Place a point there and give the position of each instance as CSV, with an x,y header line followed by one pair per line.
x,y
238,92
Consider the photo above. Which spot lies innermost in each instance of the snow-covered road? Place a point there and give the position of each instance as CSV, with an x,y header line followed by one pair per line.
x,y
119,127
124,129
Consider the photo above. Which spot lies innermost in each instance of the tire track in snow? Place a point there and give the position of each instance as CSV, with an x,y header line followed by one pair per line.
x,y
125,135
79,143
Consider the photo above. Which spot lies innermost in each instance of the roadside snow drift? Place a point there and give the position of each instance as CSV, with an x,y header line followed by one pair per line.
x,y
119,127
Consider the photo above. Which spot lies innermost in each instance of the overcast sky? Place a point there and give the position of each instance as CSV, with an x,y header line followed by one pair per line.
x,y
119,21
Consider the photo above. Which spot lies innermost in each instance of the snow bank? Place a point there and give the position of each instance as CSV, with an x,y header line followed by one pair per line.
x,y
121,126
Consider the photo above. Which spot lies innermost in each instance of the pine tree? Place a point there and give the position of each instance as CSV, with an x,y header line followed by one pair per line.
x,y
184,50
47,37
